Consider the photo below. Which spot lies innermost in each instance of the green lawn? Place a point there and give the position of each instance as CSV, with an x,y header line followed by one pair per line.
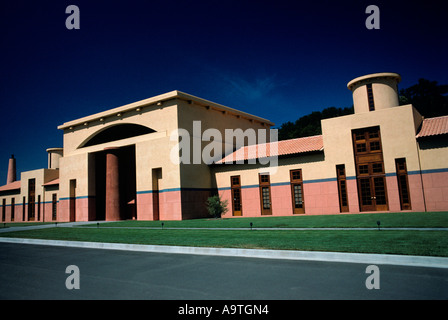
x,y
408,242
433,243
388,220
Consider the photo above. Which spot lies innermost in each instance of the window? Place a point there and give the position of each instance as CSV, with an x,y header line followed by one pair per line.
x,y
3,209
156,179
264,178
374,145
296,175
361,147
359,136
298,205
403,185
370,97
342,188
54,206
23,208
31,199
265,194
363,169
13,208
377,167
266,198
38,208
236,196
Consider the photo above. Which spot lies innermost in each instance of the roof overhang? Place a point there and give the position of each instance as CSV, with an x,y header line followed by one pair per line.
x,y
158,101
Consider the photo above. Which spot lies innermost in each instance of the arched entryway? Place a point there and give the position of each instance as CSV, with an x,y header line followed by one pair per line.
x,y
113,174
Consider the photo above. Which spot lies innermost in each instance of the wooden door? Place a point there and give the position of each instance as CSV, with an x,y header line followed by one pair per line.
x,y
265,194
370,172
372,193
236,196
298,204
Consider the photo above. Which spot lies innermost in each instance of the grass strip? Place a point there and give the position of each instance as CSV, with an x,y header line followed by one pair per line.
x,y
422,243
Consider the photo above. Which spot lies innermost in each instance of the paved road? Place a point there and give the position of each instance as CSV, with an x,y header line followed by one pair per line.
x,y
38,272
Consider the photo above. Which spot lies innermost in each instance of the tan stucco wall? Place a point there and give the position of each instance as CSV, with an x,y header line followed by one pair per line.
x,y
198,175
433,153
398,141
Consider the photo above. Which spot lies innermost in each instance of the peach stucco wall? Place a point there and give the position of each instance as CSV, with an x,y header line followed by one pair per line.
x,y
169,206
320,198
436,191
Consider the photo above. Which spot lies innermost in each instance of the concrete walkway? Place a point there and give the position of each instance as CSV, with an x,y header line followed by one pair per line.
x,y
377,259
45,226
85,223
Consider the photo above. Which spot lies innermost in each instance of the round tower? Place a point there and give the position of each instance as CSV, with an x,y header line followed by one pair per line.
x,y
54,154
375,91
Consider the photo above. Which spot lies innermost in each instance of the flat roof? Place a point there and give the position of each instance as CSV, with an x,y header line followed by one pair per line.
x,y
160,99
373,76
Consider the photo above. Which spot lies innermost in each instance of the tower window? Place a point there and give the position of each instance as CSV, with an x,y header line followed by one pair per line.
x,y
370,97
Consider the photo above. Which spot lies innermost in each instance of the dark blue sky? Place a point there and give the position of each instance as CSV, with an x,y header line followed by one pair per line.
x,y
276,59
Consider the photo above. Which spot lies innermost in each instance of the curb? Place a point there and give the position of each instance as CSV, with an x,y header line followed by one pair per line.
x,y
364,258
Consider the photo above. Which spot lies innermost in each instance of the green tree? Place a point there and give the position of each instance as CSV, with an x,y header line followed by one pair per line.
x,y
309,125
428,97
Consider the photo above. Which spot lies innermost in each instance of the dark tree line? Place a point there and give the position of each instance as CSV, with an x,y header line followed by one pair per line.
x,y
309,125
428,97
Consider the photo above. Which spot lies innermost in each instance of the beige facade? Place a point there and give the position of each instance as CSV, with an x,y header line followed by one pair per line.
x,y
162,157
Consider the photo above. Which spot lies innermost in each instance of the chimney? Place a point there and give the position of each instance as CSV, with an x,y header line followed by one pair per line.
x,y
11,170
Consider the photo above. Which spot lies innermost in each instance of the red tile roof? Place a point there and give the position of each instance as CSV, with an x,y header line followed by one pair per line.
x,y
434,127
52,182
284,147
11,186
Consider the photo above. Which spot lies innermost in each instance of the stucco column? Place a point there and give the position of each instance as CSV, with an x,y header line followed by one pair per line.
x,y
11,170
112,184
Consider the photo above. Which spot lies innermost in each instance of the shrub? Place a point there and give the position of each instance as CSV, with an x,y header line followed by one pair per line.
x,y
216,207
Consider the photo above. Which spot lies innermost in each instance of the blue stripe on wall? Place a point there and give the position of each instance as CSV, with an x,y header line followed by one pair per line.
x,y
435,170
176,189
390,174
320,180
80,197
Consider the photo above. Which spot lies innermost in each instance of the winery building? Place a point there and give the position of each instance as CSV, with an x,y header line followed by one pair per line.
x,y
123,163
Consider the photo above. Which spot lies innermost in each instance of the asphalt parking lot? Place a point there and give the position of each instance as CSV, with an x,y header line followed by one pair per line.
x,y
39,272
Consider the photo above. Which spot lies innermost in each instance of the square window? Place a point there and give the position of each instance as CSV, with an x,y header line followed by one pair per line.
x,y
377,167
373,134
363,169
359,136
374,146
296,175
361,147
